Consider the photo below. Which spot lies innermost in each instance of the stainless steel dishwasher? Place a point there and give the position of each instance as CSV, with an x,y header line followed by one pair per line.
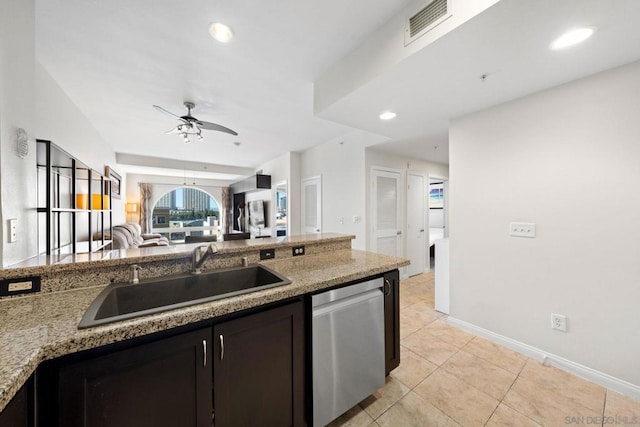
x,y
347,348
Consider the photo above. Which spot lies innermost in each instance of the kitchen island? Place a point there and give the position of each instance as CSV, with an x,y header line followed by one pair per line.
x,y
34,329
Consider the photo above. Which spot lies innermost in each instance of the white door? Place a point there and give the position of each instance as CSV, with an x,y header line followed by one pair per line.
x,y
415,224
312,205
386,203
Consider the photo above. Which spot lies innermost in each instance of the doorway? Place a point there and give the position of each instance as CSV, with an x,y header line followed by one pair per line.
x,y
282,210
438,218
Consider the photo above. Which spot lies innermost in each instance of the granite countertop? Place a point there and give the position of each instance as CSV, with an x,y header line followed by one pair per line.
x,y
42,327
70,262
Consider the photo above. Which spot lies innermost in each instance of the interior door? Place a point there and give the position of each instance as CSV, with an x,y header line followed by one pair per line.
x,y
312,205
415,224
386,201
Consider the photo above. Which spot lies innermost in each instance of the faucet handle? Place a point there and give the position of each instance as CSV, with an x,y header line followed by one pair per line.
x,y
135,268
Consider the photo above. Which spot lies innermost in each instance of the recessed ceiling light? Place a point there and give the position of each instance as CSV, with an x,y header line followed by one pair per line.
x,y
220,32
388,115
572,38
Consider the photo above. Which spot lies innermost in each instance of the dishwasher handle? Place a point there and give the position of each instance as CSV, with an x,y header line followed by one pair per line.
x,y
387,288
346,302
347,291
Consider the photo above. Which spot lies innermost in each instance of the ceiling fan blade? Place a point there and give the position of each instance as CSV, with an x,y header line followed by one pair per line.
x,y
162,110
213,126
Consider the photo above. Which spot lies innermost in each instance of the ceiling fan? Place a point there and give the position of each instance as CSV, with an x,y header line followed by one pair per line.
x,y
190,126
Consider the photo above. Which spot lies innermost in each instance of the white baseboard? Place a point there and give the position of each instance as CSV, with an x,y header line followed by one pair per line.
x,y
566,365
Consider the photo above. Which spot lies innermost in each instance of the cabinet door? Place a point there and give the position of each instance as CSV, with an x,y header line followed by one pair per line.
x,y
258,369
166,383
392,320
17,413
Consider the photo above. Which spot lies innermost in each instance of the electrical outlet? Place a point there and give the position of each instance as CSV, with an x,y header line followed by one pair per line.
x,y
558,322
297,250
267,254
522,229
21,285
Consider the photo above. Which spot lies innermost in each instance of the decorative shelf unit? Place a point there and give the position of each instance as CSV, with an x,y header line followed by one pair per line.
x,y
74,204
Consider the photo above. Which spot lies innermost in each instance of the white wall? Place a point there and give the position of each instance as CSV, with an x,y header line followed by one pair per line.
x,y
280,170
18,178
340,162
285,168
556,158
30,99
61,122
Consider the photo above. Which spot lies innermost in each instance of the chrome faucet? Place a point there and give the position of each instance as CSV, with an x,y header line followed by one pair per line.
x,y
133,274
200,255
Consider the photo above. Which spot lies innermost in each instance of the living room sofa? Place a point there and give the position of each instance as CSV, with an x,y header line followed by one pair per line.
x,y
130,236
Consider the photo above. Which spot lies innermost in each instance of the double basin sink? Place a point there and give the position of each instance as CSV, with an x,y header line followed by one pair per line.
x,y
126,301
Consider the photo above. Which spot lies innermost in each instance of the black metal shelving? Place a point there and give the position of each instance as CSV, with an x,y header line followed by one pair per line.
x,y
74,204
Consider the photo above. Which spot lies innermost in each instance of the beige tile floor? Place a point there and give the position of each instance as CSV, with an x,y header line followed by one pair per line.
x,y
448,377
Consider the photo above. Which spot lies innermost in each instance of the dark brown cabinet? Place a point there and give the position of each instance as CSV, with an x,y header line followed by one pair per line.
x,y
18,413
249,369
258,368
392,320
163,383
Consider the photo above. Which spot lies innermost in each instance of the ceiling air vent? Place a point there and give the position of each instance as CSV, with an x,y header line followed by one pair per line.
x,y
426,19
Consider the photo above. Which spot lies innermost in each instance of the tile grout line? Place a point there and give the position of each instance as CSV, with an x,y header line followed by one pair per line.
x,y
604,406
514,383
489,361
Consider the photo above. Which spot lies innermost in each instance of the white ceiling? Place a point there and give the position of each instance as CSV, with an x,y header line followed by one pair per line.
x,y
115,59
510,43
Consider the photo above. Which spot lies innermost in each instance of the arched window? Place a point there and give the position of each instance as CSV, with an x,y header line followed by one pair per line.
x,y
191,210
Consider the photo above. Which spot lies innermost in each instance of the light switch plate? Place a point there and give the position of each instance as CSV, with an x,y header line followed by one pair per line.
x,y
522,229
13,230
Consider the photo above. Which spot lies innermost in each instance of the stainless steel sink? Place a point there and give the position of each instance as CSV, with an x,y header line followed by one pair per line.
x,y
125,301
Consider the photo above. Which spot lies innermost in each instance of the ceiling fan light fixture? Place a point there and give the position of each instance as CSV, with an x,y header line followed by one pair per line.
x,y
572,38
220,32
191,126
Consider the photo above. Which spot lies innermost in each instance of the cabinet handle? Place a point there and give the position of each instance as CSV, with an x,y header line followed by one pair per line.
x,y
387,287
221,347
204,352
